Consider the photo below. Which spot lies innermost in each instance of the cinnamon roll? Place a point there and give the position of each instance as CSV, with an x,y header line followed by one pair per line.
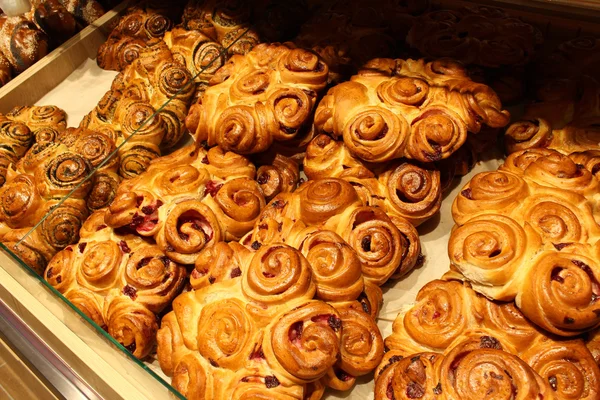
x,y
270,94
396,108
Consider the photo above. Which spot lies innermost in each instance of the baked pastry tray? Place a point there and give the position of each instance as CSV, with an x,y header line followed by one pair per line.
x,y
105,366
82,346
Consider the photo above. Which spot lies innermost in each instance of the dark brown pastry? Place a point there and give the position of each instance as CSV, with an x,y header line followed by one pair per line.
x,y
21,42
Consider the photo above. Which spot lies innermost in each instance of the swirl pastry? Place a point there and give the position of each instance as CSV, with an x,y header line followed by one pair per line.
x,y
268,95
145,108
281,174
449,315
119,280
527,233
46,123
252,326
188,200
200,54
223,22
331,208
404,189
408,108
36,185
16,139
141,24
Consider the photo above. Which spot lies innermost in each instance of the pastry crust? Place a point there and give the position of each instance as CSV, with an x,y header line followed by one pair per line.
x,y
528,232
408,108
268,95
119,281
449,316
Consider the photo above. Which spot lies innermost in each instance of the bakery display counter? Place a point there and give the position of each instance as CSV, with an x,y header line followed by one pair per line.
x,y
231,216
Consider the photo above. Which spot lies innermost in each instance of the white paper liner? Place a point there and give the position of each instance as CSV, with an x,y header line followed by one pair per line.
x,y
80,92
83,89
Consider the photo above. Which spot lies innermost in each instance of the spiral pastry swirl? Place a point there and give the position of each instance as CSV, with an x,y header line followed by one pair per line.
x,y
62,226
556,220
496,191
175,82
435,135
500,375
489,248
136,159
376,134
94,147
240,41
155,278
291,109
325,198
506,318
278,274
240,201
189,228
226,164
61,270
377,242
252,84
404,91
409,378
217,263
156,25
256,388
306,340
415,192
190,378
335,266
208,57
562,294
181,179
225,334
438,318
137,118
100,266
361,348
568,367
305,67
62,174
282,176
528,134
19,201
88,303
104,190
238,131
560,171
117,53
131,324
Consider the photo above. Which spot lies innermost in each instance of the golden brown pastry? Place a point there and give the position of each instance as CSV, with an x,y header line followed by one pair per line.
x,y
6,72
282,174
120,281
22,44
140,25
403,188
200,54
145,108
227,23
386,247
189,200
408,108
36,186
449,314
527,232
16,138
46,123
268,95
251,328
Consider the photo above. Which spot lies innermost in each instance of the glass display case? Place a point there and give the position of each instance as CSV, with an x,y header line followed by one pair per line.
x,y
72,348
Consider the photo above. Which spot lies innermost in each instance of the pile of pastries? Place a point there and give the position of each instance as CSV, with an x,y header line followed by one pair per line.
x,y
26,39
259,172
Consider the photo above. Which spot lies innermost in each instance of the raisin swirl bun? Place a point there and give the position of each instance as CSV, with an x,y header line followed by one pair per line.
x,y
404,108
305,341
119,280
280,175
267,95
